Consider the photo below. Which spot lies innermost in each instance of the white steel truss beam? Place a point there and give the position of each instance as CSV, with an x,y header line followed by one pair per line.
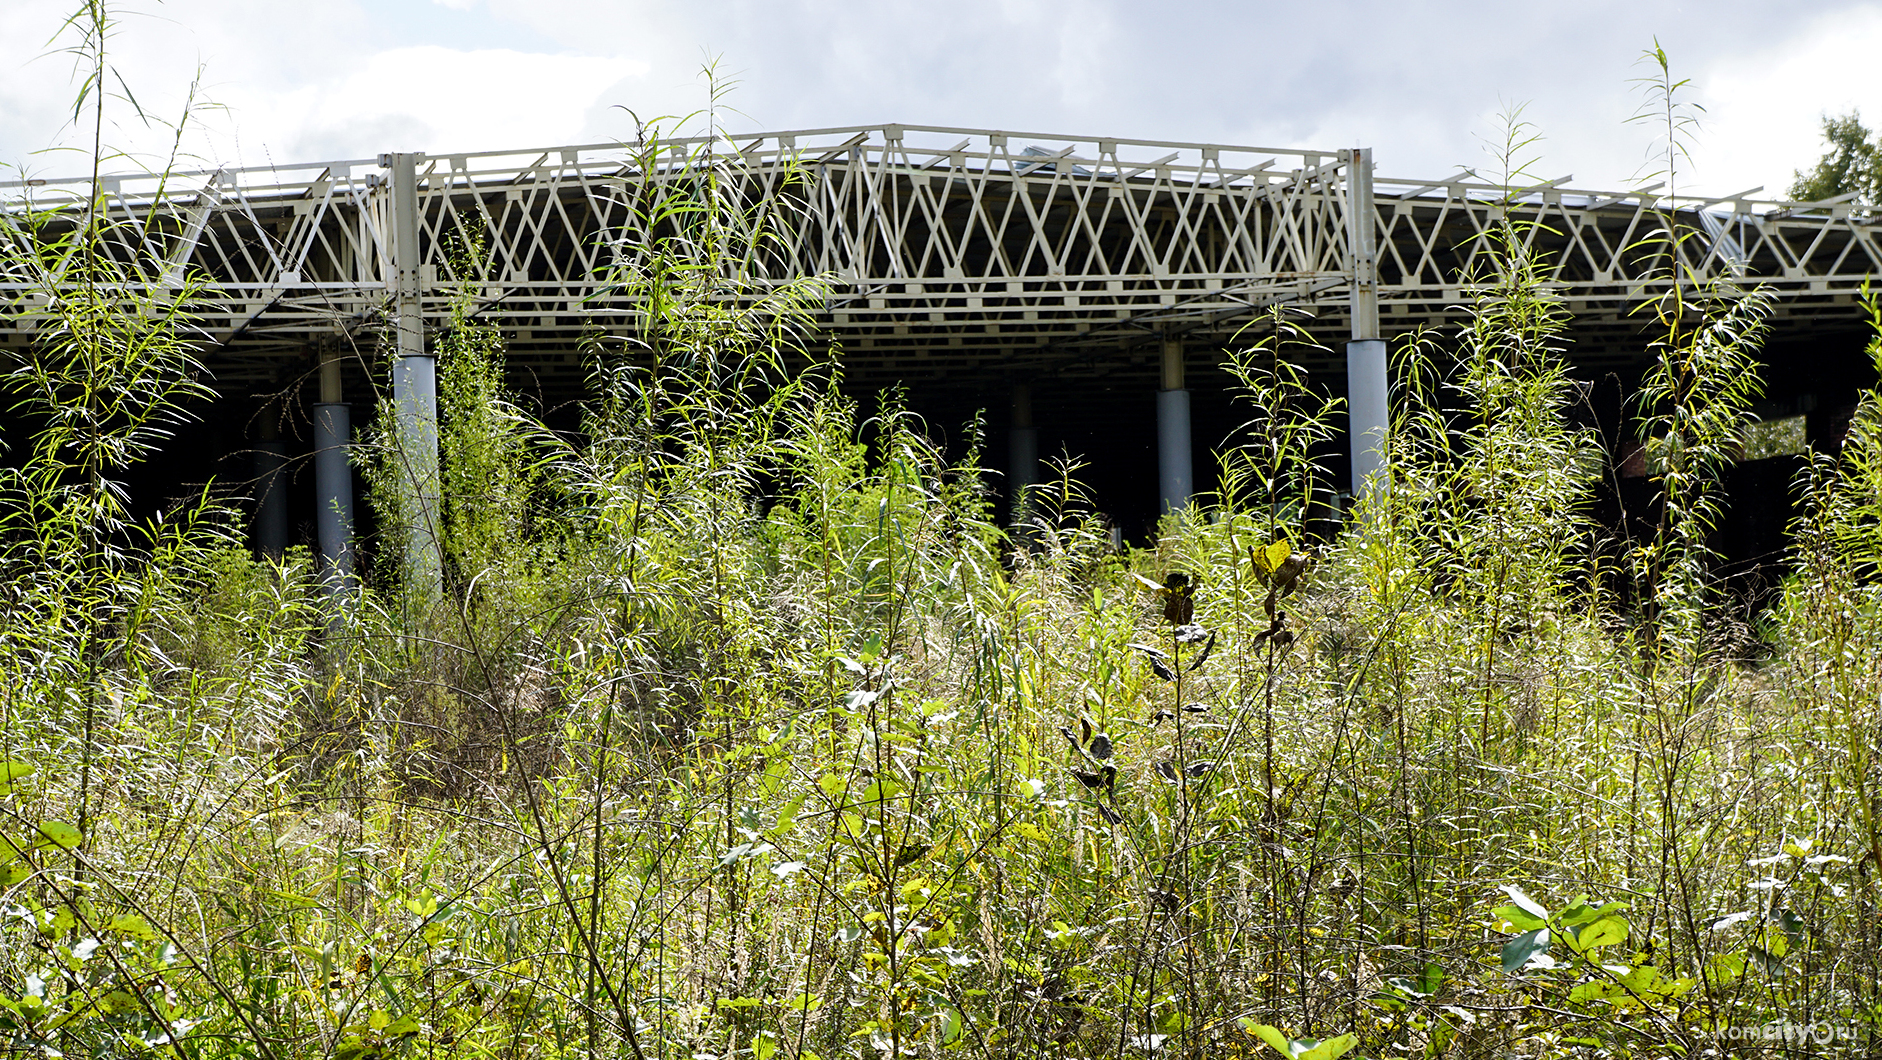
x,y
1005,247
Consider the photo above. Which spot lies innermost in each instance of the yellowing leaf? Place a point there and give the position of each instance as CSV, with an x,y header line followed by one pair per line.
x,y
1155,587
1269,558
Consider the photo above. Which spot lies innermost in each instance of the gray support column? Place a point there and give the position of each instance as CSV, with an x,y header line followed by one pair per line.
x,y
1175,471
1369,411
271,508
1022,461
333,479
414,387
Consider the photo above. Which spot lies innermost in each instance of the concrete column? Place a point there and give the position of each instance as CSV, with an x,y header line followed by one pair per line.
x,y
414,387
1369,411
1175,471
1022,462
333,479
271,508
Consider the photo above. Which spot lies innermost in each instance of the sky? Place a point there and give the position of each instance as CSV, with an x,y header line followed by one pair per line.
x,y
1425,84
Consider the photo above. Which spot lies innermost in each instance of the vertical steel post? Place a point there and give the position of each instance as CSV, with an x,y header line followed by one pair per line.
x,y
414,387
1175,471
1022,462
333,479
1368,410
271,511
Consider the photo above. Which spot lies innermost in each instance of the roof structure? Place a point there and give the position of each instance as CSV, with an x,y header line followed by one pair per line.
x,y
950,252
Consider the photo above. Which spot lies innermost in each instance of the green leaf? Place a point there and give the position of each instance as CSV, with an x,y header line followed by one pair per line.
x,y
1722,969
1772,964
11,771
1430,978
59,834
1604,932
787,816
740,1002
1525,903
881,789
1303,1048
1275,1039
741,852
1640,980
1793,925
803,1003
1332,1048
1596,990
1580,912
1518,917
133,925
1519,951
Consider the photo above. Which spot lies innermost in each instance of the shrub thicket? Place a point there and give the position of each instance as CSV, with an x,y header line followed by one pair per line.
x,y
740,729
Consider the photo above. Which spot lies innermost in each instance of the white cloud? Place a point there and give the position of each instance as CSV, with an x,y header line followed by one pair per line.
x,y
439,99
1421,83
1764,115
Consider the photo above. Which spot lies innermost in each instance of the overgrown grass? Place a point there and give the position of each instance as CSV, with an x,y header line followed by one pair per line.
x,y
741,730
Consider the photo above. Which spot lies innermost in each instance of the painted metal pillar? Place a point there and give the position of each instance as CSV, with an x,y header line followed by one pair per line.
x,y
333,479
414,387
1367,406
1022,462
1175,471
271,507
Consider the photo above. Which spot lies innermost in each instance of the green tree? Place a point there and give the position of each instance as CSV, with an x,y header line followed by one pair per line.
x,y
1852,164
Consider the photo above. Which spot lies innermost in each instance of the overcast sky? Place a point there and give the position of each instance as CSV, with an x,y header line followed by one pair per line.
x,y
1421,83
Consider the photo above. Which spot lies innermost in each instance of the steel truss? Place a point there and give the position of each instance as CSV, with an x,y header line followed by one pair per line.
x,y
951,251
